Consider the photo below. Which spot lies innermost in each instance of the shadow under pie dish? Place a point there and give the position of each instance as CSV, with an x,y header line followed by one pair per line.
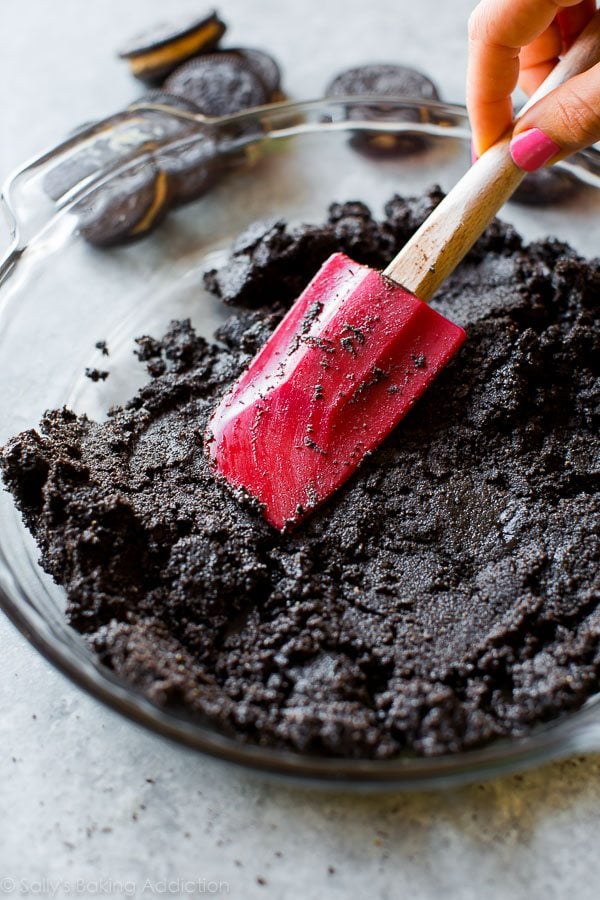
x,y
325,611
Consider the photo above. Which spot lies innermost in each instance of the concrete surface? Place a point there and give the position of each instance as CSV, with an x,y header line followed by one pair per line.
x,y
90,804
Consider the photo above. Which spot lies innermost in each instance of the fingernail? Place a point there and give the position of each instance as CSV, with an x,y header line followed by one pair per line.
x,y
532,149
474,156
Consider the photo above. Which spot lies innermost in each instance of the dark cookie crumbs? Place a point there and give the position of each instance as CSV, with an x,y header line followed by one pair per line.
x,y
445,597
97,374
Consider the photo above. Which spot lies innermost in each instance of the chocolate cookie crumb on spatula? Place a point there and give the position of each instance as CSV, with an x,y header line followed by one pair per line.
x,y
359,348
385,80
155,53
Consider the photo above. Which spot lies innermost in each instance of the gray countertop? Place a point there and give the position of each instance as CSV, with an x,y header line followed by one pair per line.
x,y
89,803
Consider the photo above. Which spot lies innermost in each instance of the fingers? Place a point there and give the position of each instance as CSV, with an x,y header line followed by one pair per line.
x,y
514,23
497,31
566,120
548,46
531,78
491,79
573,20
539,58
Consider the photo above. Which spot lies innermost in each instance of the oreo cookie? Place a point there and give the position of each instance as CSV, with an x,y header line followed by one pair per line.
x,y
385,80
264,66
88,160
136,131
192,166
545,188
157,52
219,84
125,208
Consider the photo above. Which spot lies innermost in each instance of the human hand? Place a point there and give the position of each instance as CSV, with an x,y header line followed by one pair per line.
x,y
520,41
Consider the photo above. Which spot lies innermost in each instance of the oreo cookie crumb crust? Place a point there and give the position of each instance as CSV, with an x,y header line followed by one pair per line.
x,y
445,597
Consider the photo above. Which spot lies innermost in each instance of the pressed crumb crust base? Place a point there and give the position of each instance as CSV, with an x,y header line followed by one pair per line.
x,y
444,597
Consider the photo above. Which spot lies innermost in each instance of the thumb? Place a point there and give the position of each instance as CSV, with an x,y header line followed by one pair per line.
x,y
566,120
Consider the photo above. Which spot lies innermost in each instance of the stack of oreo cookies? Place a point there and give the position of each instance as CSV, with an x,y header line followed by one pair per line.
x,y
158,53
178,156
161,159
146,181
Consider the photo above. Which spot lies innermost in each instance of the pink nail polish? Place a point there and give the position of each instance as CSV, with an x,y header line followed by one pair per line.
x,y
532,149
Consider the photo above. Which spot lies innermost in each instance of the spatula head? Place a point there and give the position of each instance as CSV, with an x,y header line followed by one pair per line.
x,y
348,361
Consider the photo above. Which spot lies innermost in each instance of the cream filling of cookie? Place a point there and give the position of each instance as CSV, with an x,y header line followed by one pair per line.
x,y
160,195
177,49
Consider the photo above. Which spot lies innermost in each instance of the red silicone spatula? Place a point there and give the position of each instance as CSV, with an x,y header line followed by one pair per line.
x,y
358,348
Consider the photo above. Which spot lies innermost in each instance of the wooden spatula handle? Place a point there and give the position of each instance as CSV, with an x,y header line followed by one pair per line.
x,y
448,234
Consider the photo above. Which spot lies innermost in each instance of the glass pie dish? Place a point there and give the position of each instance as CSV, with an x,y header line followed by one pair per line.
x,y
59,294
